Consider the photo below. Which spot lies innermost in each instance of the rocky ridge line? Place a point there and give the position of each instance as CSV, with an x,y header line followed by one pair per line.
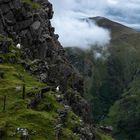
x,y
42,54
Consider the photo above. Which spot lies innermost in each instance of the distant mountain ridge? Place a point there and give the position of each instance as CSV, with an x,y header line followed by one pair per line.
x,y
112,85
117,29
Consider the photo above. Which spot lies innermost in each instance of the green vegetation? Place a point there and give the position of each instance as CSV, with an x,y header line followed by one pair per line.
x,y
11,52
68,134
120,84
39,121
34,5
14,112
125,113
102,136
114,91
73,121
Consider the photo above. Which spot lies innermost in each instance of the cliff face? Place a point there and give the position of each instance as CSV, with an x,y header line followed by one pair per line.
x,y
27,22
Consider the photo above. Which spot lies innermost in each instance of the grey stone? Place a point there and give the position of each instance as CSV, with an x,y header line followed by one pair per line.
x,y
9,18
43,77
4,8
36,25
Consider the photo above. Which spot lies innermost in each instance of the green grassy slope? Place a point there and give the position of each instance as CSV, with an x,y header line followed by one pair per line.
x,y
102,136
40,122
123,67
115,28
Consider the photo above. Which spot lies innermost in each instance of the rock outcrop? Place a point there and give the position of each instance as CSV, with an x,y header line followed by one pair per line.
x,y
28,23
32,28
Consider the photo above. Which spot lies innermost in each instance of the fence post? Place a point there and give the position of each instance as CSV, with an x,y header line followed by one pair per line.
x,y
23,91
4,103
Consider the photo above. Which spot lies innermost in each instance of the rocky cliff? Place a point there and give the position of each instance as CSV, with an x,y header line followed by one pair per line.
x,y
27,22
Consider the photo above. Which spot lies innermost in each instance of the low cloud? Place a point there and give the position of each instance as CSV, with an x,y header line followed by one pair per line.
x,y
75,32
73,29
80,33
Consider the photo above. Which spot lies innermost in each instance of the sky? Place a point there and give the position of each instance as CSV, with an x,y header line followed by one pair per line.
x,y
74,31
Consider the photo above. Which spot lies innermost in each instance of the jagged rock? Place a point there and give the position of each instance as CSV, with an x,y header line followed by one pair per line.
x,y
58,130
43,77
85,132
5,46
24,134
62,114
59,98
42,44
78,104
36,25
43,55
67,107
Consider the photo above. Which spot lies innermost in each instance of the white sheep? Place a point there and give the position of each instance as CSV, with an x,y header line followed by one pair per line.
x,y
18,46
57,89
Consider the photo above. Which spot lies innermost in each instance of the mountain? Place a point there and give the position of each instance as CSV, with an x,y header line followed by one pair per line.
x,y
112,87
41,93
116,29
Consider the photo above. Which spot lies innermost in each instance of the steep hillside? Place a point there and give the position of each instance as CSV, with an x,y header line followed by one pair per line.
x,y
115,28
38,110
32,65
115,77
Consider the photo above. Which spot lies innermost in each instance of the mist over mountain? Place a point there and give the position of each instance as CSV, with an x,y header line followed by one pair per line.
x,y
77,27
68,15
112,84
41,93
72,77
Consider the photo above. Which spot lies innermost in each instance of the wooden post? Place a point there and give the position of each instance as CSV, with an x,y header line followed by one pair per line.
x,y
23,92
4,103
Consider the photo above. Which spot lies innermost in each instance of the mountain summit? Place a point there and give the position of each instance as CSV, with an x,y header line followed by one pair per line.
x,y
116,29
111,79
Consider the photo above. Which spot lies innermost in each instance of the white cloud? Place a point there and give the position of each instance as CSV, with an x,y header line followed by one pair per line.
x,y
72,29
112,1
74,32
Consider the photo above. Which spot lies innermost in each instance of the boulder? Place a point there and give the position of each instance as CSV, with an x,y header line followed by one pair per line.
x,y
36,25
62,114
